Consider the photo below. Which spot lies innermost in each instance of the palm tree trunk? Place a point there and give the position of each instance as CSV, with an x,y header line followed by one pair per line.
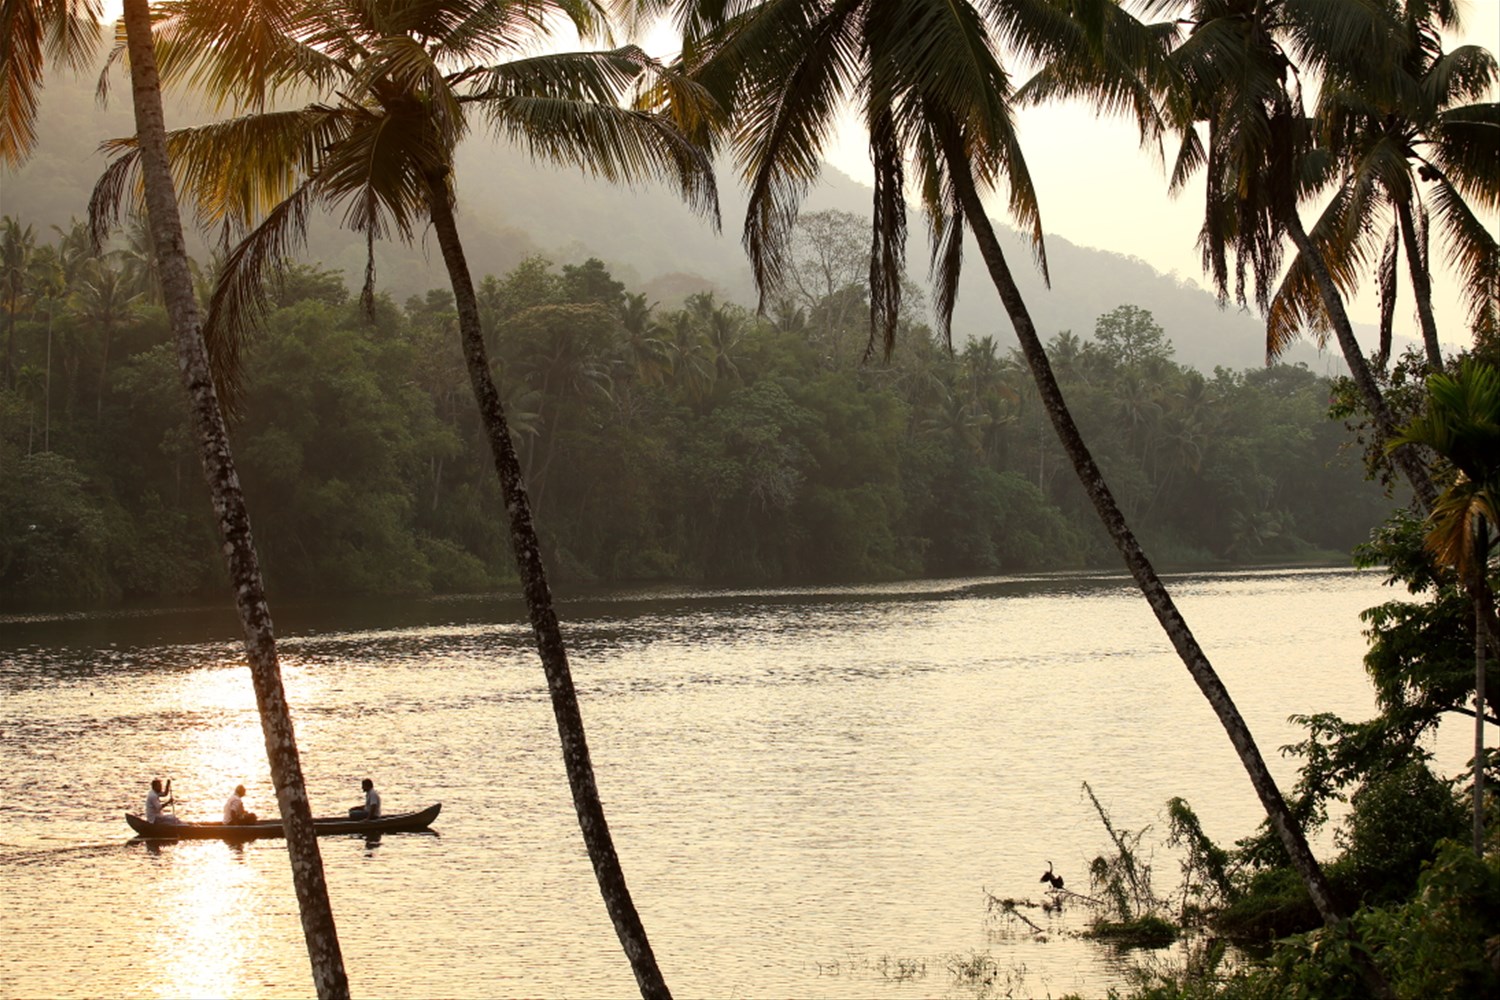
x,y
1406,456
1480,591
103,375
47,385
1140,568
1480,628
544,623
1421,286
229,506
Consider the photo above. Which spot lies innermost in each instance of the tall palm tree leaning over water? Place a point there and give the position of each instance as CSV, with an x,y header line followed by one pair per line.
x,y
397,85
926,76
26,25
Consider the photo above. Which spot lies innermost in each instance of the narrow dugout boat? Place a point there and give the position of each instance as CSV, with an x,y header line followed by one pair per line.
x,y
324,825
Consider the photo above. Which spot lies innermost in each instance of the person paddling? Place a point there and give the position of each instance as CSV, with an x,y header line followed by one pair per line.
x,y
234,808
371,808
155,802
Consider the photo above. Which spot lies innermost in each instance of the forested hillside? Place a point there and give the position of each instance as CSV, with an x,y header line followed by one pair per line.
x,y
692,444
511,208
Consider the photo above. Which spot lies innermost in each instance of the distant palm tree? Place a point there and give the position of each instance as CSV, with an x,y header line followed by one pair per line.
x,y
104,302
687,355
139,262
17,246
723,334
934,98
1462,424
397,86
644,354
49,274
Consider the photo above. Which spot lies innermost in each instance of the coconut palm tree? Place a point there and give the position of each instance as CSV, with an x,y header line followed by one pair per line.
x,y
643,354
17,247
103,302
329,978
66,30
926,78
1421,125
1239,71
1462,424
396,87
30,30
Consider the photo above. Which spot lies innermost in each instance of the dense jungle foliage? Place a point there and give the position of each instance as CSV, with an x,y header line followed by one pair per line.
x,y
700,444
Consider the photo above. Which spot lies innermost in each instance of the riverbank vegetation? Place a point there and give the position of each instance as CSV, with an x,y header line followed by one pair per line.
x,y
1415,858
700,444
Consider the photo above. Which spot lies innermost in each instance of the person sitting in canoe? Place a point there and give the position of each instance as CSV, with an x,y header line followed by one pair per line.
x,y
234,808
155,803
371,808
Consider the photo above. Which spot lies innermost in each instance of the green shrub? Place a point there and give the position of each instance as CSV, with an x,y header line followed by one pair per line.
x,y
1396,822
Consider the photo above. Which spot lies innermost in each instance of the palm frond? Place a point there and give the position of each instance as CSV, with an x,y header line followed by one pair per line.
x,y
1454,522
1474,254
601,77
31,33
1297,304
617,144
942,50
887,230
937,63
1095,50
236,170
786,115
109,196
486,30
239,302
945,227
377,172
690,105
1385,279
240,53
403,78
1462,424
1465,146
1191,157
1466,74
1333,35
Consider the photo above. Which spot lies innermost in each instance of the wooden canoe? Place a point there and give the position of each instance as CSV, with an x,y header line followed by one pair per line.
x,y
395,823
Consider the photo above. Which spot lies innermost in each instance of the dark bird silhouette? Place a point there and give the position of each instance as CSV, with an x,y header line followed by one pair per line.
x,y
1056,881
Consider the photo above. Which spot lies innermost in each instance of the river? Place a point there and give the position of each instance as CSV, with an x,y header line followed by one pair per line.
x,y
811,791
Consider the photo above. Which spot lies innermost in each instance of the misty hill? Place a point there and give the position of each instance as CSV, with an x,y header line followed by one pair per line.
x,y
511,208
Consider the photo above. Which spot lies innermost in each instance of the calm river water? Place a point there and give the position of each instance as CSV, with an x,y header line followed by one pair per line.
x,y
811,790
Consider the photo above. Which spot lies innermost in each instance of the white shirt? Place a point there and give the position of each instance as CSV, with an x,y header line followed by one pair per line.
x,y
233,809
372,804
153,806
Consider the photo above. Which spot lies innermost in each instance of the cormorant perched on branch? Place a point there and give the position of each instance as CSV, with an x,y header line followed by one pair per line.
x,y
1055,880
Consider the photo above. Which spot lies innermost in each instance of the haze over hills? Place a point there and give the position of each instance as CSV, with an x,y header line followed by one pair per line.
x,y
511,208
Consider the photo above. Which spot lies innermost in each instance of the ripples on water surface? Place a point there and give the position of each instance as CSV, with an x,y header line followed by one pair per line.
x,y
810,790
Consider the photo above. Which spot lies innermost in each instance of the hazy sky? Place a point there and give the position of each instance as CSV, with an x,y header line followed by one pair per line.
x,y
1098,188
